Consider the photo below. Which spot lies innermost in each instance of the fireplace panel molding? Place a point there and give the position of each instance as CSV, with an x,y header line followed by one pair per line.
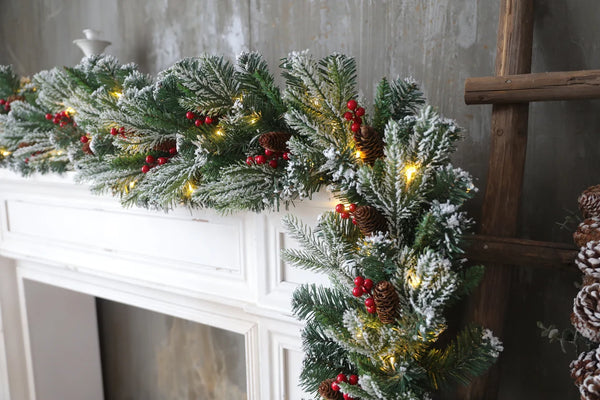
x,y
221,271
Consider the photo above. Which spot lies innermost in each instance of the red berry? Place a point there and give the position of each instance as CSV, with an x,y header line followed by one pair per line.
x,y
352,207
162,160
341,378
26,160
113,131
2,102
286,156
122,130
359,112
357,291
75,124
348,397
355,127
268,153
56,120
354,221
369,302
173,151
353,379
83,139
335,387
351,104
348,115
358,120
260,159
368,284
273,163
208,120
190,115
340,208
359,280
150,159
198,123
371,310
7,107
62,124
49,116
345,215
145,169
250,160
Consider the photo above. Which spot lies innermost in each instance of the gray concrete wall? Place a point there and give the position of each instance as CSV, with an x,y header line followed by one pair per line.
x,y
440,43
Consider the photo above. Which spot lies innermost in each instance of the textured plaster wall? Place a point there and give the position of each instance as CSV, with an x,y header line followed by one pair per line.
x,y
439,43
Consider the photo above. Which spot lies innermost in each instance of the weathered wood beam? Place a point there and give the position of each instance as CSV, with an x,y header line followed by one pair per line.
x,y
547,86
520,252
506,167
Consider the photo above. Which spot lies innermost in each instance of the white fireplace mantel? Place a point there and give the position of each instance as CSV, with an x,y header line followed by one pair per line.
x,y
222,271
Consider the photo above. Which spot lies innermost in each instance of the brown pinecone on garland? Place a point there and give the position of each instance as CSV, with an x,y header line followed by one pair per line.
x,y
590,388
86,149
589,202
15,97
586,312
588,259
327,392
274,141
587,231
370,144
386,302
369,220
166,146
588,363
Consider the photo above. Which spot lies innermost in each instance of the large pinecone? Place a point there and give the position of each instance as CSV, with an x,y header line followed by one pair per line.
x,y
86,149
369,220
590,389
587,231
386,302
166,145
586,312
588,363
274,141
327,392
589,202
370,144
588,259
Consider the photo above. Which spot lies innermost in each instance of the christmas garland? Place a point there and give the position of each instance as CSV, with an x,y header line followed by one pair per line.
x,y
211,133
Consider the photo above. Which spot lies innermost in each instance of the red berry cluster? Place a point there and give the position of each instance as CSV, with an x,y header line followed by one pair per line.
x,y
355,115
152,162
114,131
269,156
6,104
362,286
199,120
61,118
346,212
352,380
84,139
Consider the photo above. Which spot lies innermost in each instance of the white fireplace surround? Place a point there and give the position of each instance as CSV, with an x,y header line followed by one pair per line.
x,y
222,271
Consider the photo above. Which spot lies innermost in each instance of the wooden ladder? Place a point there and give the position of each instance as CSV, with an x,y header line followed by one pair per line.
x,y
510,92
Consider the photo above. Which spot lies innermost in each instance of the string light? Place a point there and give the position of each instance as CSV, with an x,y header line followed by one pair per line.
x,y
132,184
190,188
413,280
409,172
5,153
116,94
316,102
255,118
359,154
220,132
70,110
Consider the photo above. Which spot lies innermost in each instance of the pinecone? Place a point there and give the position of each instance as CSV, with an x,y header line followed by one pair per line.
x,y
275,141
166,146
15,97
587,231
86,149
588,363
586,312
589,202
370,144
327,392
590,389
369,220
588,259
386,301
588,280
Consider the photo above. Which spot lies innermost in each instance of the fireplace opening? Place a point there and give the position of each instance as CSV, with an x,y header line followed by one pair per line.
x,y
152,356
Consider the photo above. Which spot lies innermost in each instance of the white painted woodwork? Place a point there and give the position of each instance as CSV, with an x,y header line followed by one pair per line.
x,y
222,271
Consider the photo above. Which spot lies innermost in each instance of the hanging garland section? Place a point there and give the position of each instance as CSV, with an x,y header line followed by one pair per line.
x,y
208,132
